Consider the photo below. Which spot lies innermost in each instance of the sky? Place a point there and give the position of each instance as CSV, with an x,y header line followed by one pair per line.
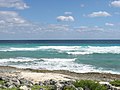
x,y
59,19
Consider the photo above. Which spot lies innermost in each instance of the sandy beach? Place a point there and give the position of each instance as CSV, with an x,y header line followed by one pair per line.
x,y
42,75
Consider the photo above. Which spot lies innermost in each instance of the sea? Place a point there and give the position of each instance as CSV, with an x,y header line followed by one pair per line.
x,y
79,56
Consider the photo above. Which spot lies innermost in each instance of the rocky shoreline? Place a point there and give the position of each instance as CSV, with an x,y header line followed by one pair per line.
x,y
12,78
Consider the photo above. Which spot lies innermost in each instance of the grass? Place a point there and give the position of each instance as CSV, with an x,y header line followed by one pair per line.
x,y
10,89
115,83
92,85
37,87
69,88
2,82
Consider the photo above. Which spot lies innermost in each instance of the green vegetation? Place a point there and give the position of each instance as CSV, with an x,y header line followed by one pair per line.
x,y
10,89
92,85
69,88
2,82
115,83
37,87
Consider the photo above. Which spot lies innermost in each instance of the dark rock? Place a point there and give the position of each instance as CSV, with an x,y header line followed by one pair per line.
x,y
69,87
86,88
52,82
6,79
79,88
15,81
41,89
25,82
40,83
59,86
47,82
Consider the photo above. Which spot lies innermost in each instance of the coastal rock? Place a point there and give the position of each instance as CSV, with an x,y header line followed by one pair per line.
x,y
24,88
59,86
52,82
79,88
115,88
107,84
15,81
25,82
40,83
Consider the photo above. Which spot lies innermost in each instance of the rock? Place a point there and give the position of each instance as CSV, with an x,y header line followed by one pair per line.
x,y
79,88
25,82
6,79
107,84
52,87
47,82
59,86
7,84
15,81
52,82
40,83
115,88
11,86
69,87
41,89
86,88
24,88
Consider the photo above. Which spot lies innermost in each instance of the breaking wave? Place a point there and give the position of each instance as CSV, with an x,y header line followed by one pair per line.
x,y
74,50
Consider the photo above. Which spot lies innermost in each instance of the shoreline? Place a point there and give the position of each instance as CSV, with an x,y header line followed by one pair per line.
x,y
56,74
12,78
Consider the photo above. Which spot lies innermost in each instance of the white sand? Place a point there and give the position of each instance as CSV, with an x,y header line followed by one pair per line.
x,y
36,77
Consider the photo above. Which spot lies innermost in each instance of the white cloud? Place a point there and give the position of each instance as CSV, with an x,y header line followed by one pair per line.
x,y
18,4
99,14
88,29
68,13
116,3
65,18
10,18
109,24
82,5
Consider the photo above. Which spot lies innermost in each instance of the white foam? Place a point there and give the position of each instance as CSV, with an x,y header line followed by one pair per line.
x,y
58,59
97,50
19,59
24,59
79,53
62,48
52,64
71,49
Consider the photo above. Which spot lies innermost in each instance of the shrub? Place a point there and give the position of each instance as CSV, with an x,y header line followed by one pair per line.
x,y
92,85
115,83
69,88
38,87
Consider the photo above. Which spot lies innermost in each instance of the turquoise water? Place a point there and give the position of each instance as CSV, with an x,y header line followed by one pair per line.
x,y
56,56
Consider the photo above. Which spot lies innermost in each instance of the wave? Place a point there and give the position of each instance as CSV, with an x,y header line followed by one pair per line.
x,y
75,50
97,50
24,59
19,59
62,48
58,59
52,64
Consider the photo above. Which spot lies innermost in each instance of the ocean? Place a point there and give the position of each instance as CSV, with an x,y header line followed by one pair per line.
x,y
74,55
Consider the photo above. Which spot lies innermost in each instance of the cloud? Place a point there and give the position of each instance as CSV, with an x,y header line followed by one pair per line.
x,y
115,3
89,29
11,22
68,13
65,18
10,18
18,4
109,24
82,5
99,14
